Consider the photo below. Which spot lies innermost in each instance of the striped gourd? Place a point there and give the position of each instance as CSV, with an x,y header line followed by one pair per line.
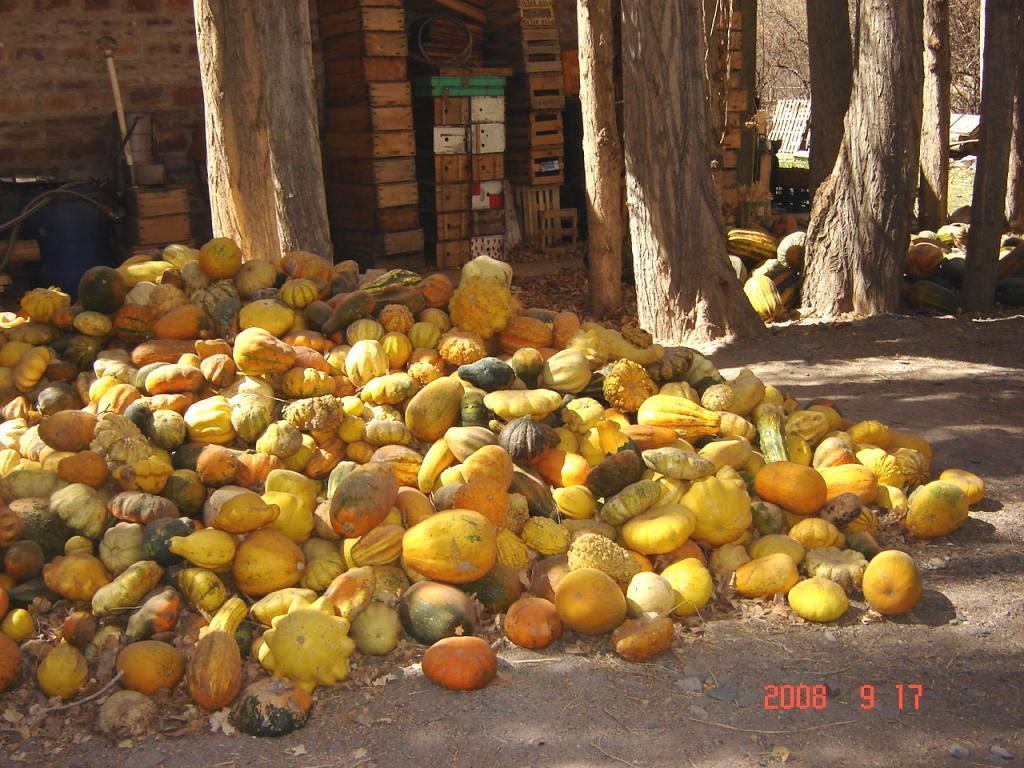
x,y
763,297
751,245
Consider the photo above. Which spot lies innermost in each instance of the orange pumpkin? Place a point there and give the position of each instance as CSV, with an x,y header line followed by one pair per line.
x,y
489,461
220,370
794,487
253,468
460,663
117,399
133,323
79,628
188,321
10,662
590,602
414,505
532,622
689,548
892,583
214,674
86,467
68,430
363,499
209,347
562,469
24,560
485,496
522,331
217,466
437,289
150,665
640,640
11,526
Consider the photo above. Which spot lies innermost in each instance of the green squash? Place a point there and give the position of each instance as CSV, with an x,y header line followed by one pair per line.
x,y
156,538
187,491
1011,292
489,374
431,611
272,706
497,589
472,411
932,297
102,289
615,473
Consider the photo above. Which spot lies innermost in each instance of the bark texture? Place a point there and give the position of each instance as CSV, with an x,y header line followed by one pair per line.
x,y
602,155
1002,45
686,288
263,142
830,54
932,194
1015,181
861,216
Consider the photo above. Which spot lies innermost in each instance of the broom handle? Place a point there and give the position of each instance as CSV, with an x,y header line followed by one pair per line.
x,y
107,45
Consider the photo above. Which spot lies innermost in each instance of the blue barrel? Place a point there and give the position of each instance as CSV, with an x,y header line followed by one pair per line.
x,y
73,235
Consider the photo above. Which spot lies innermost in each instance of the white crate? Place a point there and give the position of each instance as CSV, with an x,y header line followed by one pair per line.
x,y
487,138
487,109
450,140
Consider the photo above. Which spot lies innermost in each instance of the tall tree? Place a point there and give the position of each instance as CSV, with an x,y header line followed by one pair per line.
x,y
1015,181
932,193
686,288
262,134
830,53
1003,33
602,155
861,215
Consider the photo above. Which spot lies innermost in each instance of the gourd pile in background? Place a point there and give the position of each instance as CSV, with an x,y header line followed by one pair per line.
x,y
770,270
204,460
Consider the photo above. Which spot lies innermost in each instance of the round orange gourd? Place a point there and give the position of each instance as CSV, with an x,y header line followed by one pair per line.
x,y
794,487
220,258
892,583
460,663
972,485
640,640
485,496
562,469
589,601
149,665
490,461
532,622
85,467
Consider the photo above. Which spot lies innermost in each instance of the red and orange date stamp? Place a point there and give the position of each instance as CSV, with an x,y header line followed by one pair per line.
x,y
908,696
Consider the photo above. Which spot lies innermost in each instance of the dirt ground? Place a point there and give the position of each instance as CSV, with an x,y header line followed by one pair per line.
x,y
960,383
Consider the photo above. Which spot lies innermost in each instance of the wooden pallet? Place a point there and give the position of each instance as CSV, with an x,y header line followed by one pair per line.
x,y
538,167
525,13
535,51
532,203
558,228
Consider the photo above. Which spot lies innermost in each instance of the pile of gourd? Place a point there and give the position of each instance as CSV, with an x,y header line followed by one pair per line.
x,y
770,270
204,460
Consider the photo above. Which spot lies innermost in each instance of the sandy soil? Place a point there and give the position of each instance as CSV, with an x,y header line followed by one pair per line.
x,y
958,382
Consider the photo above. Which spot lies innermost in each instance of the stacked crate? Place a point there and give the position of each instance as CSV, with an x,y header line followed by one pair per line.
x,y
461,137
156,216
370,147
523,34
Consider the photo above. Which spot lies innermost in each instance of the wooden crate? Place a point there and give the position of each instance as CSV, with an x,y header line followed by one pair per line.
x,y
369,218
361,19
365,196
449,254
359,44
486,138
445,197
490,222
371,144
143,202
558,228
532,203
536,92
487,167
451,110
535,166
535,129
533,51
370,171
522,13
487,109
156,230
446,169
448,225
371,245
364,118
487,195
345,93
450,140
365,68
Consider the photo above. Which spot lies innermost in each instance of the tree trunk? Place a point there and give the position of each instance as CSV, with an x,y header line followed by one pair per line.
x,y
262,135
1002,44
861,216
932,194
831,66
686,288
602,155
1015,181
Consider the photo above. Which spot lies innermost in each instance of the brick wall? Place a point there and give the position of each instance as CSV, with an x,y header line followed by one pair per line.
x,y
56,104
